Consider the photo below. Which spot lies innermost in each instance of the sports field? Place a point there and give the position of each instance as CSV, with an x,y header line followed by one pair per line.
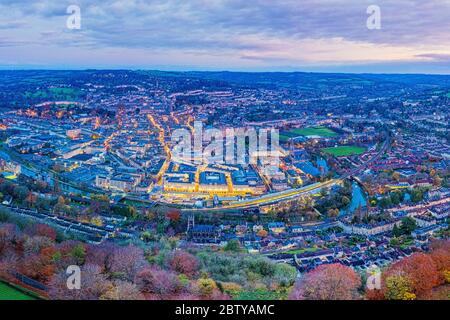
x,y
10,293
315,131
343,151
310,131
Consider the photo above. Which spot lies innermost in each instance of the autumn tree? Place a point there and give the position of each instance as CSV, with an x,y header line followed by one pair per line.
x,y
441,258
100,255
207,289
155,282
327,282
183,262
420,270
125,262
122,290
33,245
262,233
174,215
40,266
398,287
94,285
42,230
7,235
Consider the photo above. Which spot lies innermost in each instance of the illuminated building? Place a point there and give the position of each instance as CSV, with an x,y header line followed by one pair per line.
x,y
73,133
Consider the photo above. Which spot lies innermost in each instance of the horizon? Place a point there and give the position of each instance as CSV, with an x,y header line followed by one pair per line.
x,y
222,71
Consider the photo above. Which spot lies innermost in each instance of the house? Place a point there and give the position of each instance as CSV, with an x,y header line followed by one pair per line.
x,y
296,229
440,212
276,227
422,233
370,229
425,221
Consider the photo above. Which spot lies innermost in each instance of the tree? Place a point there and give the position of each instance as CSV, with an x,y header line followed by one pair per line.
x,y
122,290
285,274
262,233
231,288
408,225
441,258
327,282
332,213
8,232
33,245
9,260
183,262
345,201
79,254
233,245
125,262
31,199
420,270
174,215
40,229
153,281
437,181
207,288
40,266
398,288
94,284
396,231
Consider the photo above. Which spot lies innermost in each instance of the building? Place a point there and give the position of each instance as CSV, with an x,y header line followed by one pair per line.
x,y
276,227
203,233
369,229
119,182
213,182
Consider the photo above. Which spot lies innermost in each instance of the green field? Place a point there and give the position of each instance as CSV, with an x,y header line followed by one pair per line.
x,y
55,93
8,292
343,151
303,250
260,294
315,131
310,131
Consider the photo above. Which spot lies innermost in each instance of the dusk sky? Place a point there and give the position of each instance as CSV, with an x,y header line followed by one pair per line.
x,y
256,35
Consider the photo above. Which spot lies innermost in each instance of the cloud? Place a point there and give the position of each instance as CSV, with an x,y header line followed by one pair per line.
x,y
438,57
258,31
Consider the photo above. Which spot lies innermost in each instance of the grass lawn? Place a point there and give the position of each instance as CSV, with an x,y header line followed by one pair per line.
x,y
343,151
315,131
310,131
8,292
56,93
284,138
260,294
299,251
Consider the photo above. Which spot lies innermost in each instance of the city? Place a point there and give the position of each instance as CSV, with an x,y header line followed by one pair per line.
x,y
217,158
91,153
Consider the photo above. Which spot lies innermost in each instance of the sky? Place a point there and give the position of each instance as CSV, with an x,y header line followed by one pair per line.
x,y
235,35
